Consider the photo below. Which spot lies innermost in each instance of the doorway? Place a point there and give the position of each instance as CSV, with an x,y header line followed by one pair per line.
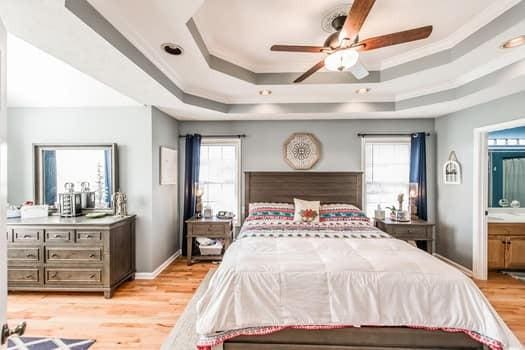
x,y
481,183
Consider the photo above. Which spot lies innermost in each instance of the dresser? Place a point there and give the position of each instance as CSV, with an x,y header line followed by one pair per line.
x,y
70,254
414,230
506,246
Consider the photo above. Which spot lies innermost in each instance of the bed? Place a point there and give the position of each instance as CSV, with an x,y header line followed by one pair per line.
x,y
337,285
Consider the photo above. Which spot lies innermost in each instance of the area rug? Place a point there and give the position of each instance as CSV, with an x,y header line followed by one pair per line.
x,y
519,275
183,336
34,343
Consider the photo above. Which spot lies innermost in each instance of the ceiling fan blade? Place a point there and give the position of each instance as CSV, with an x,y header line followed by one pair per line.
x,y
358,70
299,48
394,38
310,71
355,19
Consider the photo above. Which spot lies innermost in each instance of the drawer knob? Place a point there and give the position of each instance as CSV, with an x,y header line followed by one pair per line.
x,y
53,275
89,236
30,256
54,255
57,236
28,277
92,256
92,276
27,236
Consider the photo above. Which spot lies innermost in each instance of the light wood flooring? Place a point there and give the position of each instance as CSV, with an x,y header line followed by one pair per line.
x,y
142,312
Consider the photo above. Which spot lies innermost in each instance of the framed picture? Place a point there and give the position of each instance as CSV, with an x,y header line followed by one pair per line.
x,y
168,166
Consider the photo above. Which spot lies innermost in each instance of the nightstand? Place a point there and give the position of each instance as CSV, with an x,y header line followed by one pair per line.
x,y
414,230
211,228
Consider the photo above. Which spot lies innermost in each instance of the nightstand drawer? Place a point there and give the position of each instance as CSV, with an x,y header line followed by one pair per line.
x,y
209,228
411,232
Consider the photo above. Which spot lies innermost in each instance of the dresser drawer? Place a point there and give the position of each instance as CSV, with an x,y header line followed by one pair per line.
x,y
83,236
73,276
58,236
210,229
24,275
73,255
27,235
24,254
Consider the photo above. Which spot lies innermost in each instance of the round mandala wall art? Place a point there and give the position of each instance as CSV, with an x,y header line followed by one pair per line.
x,y
302,151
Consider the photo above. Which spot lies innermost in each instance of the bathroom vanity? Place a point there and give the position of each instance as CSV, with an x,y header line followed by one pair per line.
x,y
506,241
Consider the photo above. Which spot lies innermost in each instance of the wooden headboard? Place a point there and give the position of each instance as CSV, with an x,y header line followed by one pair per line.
x,y
327,187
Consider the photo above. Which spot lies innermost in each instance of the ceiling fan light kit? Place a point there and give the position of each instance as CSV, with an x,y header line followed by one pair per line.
x,y
341,60
342,45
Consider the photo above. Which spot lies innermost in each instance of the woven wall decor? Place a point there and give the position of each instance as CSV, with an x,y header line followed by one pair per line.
x,y
301,151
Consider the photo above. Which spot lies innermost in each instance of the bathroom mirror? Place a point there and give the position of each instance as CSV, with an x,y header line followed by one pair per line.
x,y
507,168
90,168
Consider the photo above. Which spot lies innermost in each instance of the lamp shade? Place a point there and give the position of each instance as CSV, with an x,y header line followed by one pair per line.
x,y
341,60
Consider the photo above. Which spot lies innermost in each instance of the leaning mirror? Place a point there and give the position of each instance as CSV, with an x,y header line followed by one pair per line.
x,y
91,170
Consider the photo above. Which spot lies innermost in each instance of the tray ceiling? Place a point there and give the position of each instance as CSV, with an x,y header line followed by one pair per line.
x,y
226,60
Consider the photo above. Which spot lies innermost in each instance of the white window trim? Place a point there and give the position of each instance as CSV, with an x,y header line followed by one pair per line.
x,y
375,139
238,156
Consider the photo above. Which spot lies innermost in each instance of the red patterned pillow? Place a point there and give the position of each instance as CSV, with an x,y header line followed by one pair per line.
x,y
270,211
341,212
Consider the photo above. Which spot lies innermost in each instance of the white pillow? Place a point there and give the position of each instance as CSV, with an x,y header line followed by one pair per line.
x,y
306,211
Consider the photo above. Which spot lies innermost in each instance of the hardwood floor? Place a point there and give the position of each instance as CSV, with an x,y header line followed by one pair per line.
x,y
507,295
142,312
139,316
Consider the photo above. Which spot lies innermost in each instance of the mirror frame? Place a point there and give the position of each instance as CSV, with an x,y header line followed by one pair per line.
x,y
38,174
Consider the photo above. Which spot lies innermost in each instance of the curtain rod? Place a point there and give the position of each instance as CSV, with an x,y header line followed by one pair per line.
x,y
389,134
219,136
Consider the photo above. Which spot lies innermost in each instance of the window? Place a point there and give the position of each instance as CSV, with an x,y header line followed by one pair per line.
x,y
219,175
387,167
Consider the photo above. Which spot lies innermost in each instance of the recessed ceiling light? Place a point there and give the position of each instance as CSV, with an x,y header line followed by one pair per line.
x,y
172,49
362,91
265,92
515,42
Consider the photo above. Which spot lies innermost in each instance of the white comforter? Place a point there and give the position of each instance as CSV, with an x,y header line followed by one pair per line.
x,y
278,281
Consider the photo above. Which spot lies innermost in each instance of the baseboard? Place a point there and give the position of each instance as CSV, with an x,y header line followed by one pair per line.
x,y
158,270
455,264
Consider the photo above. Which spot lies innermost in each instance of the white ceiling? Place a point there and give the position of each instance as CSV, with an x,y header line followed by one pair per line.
x,y
242,31
37,79
247,28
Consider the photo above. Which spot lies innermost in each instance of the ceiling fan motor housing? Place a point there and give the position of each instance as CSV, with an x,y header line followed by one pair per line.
x,y
338,23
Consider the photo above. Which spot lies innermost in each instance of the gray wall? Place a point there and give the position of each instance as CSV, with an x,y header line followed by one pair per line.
x,y
131,128
165,199
454,202
341,147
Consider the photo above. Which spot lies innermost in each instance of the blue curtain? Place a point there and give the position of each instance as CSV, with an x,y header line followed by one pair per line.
x,y
50,177
418,172
107,178
191,177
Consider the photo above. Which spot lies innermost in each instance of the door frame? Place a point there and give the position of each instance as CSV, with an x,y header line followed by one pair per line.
x,y
480,196
3,174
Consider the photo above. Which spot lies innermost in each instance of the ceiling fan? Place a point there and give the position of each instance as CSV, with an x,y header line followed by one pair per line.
x,y
343,45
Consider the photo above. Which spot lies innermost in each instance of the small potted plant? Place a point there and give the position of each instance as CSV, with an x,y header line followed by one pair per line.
x,y
393,212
